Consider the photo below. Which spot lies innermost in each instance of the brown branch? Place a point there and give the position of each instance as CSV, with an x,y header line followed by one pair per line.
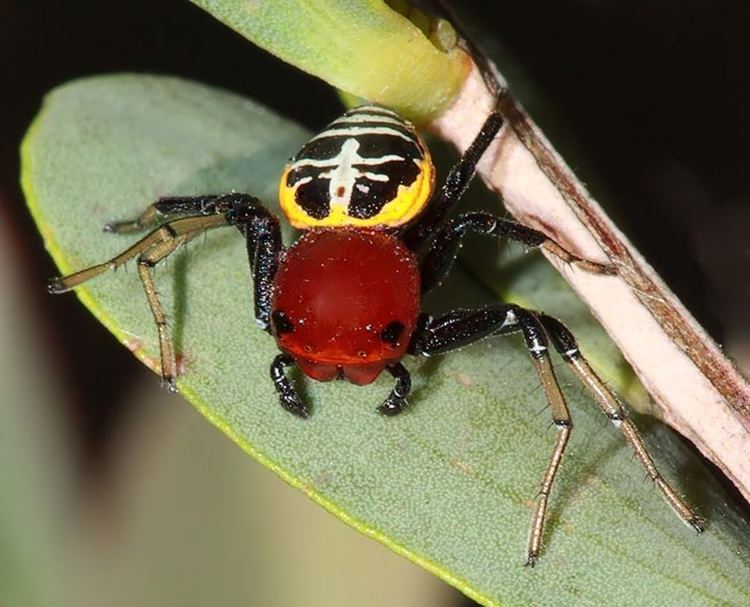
x,y
698,390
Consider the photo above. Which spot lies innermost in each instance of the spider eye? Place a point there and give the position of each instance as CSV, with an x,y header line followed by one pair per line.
x,y
392,332
281,323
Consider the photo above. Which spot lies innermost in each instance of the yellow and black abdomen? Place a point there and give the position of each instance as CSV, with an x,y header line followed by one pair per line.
x,y
369,168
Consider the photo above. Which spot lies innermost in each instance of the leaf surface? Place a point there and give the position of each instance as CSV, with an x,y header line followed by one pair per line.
x,y
450,482
360,46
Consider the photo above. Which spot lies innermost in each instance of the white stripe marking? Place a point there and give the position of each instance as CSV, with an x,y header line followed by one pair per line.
x,y
343,174
379,118
375,176
332,162
362,130
372,108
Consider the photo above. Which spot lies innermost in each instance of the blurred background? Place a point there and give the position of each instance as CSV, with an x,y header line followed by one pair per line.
x,y
113,492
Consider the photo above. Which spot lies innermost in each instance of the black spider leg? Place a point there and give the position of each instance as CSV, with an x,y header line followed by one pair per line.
x,y
438,260
456,182
263,236
433,222
464,327
255,222
168,207
396,401
566,345
288,395
260,228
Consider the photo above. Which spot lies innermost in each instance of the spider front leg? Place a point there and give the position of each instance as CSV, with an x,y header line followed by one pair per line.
x,y
607,400
460,328
150,250
260,228
464,327
168,207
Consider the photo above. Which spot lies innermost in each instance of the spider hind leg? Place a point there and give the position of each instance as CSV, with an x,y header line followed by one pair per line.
x,y
447,242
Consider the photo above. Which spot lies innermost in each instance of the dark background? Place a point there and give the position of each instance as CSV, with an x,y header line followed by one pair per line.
x,y
649,102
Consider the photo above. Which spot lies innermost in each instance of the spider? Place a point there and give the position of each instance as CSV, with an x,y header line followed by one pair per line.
x,y
343,302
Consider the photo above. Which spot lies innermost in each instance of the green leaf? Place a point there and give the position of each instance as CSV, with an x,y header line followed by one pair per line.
x,y
171,472
363,47
449,482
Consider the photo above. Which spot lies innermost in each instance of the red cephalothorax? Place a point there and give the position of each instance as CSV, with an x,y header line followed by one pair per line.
x,y
345,303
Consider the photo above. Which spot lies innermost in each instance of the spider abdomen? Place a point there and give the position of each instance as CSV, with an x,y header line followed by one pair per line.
x,y
345,303
367,169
